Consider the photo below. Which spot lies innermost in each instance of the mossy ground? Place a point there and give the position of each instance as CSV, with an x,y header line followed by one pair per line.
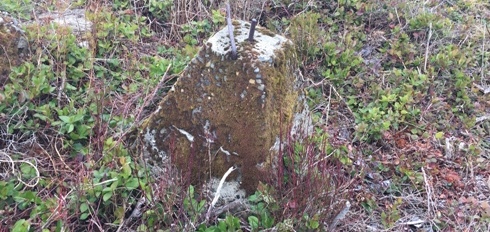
x,y
399,91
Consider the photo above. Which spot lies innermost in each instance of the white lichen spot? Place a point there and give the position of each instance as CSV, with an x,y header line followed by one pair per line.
x,y
224,151
243,94
227,152
149,138
210,136
275,147
186,134
230,190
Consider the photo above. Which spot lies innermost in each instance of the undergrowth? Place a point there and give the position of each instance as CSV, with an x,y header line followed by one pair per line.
x,y
398,92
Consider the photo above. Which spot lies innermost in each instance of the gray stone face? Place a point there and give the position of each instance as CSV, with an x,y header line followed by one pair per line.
x,y
223,112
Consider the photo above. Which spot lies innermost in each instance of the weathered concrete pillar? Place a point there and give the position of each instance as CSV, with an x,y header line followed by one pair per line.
x,y
223,112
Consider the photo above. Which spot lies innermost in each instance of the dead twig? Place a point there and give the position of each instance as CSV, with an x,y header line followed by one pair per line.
x,y
427,48
482,118
428,191
482,71
339,216
218,191
485,90
18,173
149,98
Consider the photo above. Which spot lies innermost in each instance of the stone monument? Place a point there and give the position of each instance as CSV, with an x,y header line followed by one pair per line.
x,y
225,112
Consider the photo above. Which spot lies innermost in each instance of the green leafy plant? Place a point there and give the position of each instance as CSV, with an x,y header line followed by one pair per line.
x,y
390,216
228,224
192,206
262,204
21,225
18,8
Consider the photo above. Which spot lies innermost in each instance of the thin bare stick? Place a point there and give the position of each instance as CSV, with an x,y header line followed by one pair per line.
x,y
230,32
335,91
341,98
12,163
482,118
61,87
59,155
428,190
152,96
485,90
339,216
328,105
227,207
221,182
137,212
482,72
427,47
218,190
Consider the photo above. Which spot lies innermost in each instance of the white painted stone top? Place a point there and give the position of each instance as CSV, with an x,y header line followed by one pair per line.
x,y
264,44
75,19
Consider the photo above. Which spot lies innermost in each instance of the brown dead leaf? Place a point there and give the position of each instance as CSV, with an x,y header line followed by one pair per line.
x,y
437,153
452,177
463,200
292,204
401,143
473,201
486,207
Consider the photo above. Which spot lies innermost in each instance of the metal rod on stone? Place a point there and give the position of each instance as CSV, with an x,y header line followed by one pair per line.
x,y
252,30
230,31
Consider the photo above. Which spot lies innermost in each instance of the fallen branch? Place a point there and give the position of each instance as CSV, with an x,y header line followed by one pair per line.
x,y
218,190
339,216
427,48
482,118
485,90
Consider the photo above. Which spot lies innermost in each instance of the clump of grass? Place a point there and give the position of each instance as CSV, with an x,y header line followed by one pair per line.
x,y
313,187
